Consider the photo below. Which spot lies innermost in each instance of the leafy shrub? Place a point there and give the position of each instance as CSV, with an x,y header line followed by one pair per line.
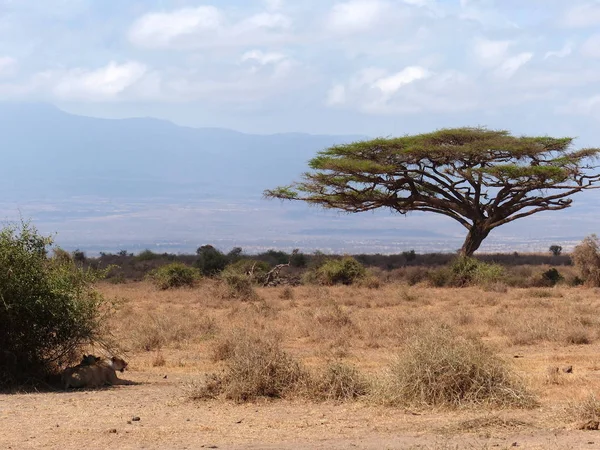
x,y
551,277
239,285
298,260
255,366
409,255
146,255
466,271
240,278
211,261
49,309
440,368
586,257
346,270
256,270
174,275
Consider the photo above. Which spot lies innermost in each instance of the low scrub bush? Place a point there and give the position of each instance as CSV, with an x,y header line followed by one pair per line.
x,y
346,270
255,366
465,271
174,275
340,381
440,368
49,309
586,257
241,277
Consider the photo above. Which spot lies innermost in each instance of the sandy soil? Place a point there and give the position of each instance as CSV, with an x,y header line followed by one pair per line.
x,y
98,419
103,419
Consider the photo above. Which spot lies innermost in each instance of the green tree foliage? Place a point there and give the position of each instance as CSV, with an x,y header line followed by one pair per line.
x,y
48,306
174,275
346,270
211,261
481,178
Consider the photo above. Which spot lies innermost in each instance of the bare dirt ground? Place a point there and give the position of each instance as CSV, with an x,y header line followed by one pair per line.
x,y
168,338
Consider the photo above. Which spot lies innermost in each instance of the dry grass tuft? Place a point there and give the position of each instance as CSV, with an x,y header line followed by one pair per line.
x,y
256,366
586,410
287,293
439,368
340,381
152,332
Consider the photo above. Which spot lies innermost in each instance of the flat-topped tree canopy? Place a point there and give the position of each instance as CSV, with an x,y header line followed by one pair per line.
x,y
479,177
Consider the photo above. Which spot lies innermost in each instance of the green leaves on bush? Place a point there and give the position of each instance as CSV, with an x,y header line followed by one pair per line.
x,y
467,271
212,261
174,275
241,276
346,270
48,306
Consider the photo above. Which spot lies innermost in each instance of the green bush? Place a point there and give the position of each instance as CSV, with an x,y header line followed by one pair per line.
x,y
346,270
241,276
256,270
211,261
147,255
174,275
49,309
467,271
551,277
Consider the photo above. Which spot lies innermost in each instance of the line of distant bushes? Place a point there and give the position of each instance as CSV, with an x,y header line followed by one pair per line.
x,y
241,271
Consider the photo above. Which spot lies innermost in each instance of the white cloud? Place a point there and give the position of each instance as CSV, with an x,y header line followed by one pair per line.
x,y
274,5
391,84
562,53
336,95
583,16
582,106
104,84
511,65
355,15
267,21
376,91
163,29
263,58
204,26
591,47
491,53
8,66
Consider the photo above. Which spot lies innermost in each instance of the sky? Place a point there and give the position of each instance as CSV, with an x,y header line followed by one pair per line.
x,y
374,67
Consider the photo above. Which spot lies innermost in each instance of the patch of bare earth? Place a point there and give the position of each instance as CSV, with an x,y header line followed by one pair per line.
x,y
170,339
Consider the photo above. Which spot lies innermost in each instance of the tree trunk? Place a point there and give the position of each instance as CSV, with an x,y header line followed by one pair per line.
x,y
473,241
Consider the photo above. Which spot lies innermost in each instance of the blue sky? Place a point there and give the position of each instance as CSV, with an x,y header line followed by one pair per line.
x,y
377,67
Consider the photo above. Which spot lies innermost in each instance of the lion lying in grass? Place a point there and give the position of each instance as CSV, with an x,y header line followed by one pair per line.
x,y
94,372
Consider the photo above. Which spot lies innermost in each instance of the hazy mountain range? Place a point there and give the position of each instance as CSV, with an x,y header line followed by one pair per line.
x,y
146,183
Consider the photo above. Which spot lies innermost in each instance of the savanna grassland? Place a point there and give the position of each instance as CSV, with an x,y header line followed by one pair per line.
x,y
334,367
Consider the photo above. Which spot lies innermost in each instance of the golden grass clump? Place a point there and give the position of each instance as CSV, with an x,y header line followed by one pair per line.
x,y
340,381
255,366
440,368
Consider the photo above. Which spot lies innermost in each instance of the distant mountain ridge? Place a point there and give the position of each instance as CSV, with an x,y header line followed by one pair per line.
x,y
51,152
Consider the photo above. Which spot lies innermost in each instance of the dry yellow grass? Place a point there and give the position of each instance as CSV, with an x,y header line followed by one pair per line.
x,y
182,335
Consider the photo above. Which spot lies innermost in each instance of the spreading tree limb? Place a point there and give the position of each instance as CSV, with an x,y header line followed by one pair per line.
x,y
481,178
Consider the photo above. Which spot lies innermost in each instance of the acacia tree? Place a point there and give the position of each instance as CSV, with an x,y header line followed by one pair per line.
x,y
481,178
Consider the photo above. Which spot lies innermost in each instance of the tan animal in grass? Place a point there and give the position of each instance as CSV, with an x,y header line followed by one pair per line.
x,y
95,372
